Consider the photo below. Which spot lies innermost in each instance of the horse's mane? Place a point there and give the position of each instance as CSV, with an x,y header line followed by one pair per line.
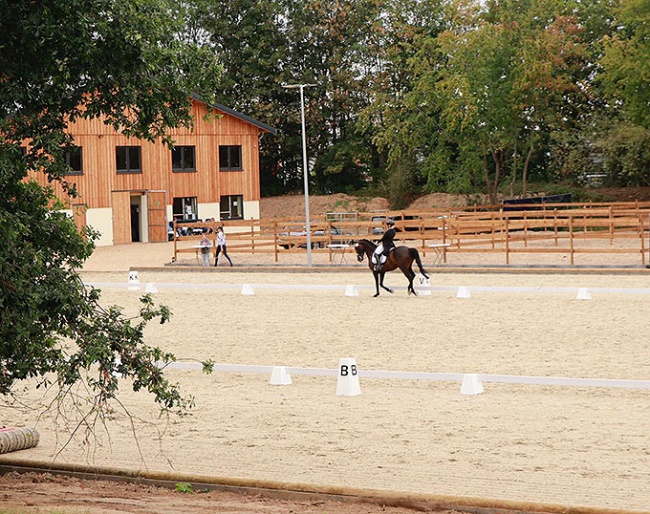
x,y
369,243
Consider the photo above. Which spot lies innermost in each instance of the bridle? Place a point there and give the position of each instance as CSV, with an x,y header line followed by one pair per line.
x,y
360,251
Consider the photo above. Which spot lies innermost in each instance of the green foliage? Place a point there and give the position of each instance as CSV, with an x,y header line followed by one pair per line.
x,y
498,91
184,487
572,156
625,151
626,75
122,60
459,96
208,366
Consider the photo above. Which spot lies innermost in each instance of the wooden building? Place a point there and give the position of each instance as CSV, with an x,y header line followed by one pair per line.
x,y
130,190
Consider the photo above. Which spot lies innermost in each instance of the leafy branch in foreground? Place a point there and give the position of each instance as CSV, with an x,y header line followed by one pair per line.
x,y
126,63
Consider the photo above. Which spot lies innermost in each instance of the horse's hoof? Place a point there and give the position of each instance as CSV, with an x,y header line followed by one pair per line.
x,y
390,291
375,295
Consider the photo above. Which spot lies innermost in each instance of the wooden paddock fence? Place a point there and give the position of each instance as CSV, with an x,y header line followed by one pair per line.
x,y
548,228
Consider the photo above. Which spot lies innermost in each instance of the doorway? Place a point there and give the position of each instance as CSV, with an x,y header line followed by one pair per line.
x,y
135,220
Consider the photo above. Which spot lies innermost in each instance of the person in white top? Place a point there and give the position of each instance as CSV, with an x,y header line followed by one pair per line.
x,y
221,246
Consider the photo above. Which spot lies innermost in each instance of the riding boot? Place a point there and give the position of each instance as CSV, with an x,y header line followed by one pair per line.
x,y
380,264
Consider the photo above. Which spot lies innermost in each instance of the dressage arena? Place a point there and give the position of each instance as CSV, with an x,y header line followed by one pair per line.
x,y
563,445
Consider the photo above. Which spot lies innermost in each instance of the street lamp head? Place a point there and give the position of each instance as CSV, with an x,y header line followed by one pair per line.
x,y
297,86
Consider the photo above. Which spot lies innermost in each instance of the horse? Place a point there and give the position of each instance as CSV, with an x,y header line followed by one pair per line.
x,y
401,257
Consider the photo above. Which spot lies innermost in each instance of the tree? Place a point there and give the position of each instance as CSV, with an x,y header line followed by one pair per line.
x,y
625,151
399,119
331,45
487,92
626,74
250,43
123,60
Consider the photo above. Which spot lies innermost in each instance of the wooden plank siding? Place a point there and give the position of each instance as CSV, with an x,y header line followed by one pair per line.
x,y
121,202
156,216
99,179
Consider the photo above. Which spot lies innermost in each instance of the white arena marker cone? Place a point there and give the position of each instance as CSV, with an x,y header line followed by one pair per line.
x,y
351,291
151,288
134,281
247,289
583,294
424,282
471,384
348,381
280,376
463,292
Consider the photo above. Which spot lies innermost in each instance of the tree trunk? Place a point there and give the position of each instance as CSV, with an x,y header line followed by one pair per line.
x,y
524,173
513,180
496,157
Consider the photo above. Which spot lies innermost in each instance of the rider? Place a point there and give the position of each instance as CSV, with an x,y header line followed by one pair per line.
x,y
385,245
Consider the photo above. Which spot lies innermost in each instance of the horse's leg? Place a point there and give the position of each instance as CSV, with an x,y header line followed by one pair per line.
x,y
376,284
410,275
381,282
411,278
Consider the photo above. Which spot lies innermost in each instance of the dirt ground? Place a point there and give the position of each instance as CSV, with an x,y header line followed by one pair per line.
x,y
533,447
45,493
294,205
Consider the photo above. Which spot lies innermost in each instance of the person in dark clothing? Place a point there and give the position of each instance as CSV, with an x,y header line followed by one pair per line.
x,y
385,245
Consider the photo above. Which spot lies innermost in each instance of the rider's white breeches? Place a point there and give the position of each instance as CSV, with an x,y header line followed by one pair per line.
x,y
377,255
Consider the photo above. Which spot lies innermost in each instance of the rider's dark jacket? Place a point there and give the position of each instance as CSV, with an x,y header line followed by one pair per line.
x,y
387,240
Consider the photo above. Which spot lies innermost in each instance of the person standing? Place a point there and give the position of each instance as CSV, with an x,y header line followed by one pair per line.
x,y
189,213
221,246
205,249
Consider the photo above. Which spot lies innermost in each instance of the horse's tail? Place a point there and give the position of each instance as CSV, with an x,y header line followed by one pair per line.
x,y
416,256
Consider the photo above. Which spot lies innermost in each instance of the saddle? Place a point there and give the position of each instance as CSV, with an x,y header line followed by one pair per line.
x,y
379,264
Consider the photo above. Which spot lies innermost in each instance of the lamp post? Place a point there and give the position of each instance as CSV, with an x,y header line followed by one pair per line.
x,y
304,163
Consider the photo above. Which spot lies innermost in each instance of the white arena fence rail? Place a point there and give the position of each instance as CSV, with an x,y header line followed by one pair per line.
x,y
141,287
415,375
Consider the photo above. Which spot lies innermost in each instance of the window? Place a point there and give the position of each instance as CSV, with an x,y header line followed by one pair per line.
x,y
230,158
128,159
183,158
185,208
232,207
73,159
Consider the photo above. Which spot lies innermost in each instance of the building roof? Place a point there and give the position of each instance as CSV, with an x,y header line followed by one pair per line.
x,y
227,110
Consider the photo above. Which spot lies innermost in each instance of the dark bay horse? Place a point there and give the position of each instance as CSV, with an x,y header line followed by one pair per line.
x,y
401,257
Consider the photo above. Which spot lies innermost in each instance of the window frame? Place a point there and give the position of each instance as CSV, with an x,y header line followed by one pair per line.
x,y
179,204
183,150
128,169
229,151
227,214
68,159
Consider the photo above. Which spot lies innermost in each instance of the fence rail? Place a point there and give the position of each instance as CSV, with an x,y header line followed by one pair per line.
x,y
547,228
